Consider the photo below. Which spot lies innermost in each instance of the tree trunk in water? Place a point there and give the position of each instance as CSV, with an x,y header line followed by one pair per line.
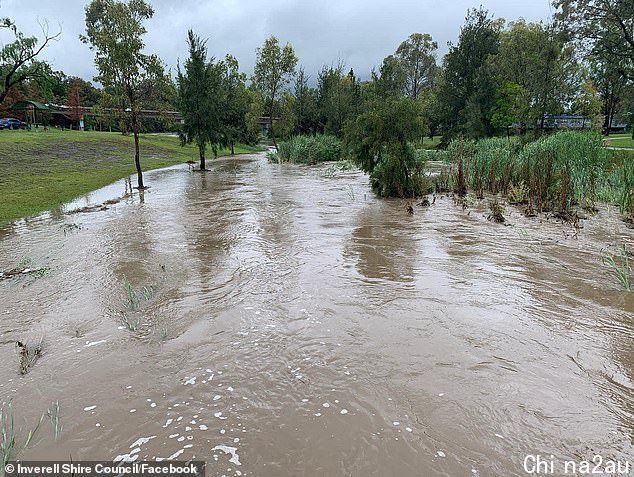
x,y
232,151
137,160
271,129
201,151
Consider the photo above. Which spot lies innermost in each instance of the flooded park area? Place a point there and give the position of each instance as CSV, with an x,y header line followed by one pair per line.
x,y
282,320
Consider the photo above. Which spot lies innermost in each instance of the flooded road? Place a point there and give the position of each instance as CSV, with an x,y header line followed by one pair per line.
x,y
277,321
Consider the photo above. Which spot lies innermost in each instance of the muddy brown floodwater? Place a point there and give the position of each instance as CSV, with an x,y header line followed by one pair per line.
x,y
293,324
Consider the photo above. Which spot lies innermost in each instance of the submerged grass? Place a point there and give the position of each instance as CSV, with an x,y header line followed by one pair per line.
x,y
619,268
9,447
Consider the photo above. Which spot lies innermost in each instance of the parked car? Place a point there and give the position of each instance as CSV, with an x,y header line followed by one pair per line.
x,y
12,123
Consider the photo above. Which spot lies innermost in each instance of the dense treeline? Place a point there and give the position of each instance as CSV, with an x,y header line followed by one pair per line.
x,y
498,78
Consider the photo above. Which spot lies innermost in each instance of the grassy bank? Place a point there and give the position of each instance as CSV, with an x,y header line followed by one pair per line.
x,y
620,141
41,170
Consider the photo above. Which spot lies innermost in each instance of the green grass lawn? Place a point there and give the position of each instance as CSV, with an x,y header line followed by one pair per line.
x,y
620,141
41,170
428,143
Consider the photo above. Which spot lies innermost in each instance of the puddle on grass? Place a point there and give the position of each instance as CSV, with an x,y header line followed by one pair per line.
x,y
297,325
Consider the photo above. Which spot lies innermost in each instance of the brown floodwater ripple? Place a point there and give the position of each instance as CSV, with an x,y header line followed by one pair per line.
x,y
279,321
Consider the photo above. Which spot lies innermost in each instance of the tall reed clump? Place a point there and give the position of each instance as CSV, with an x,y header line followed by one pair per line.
x,y
460,152
563,169
617,186
310,149
491,166
551,173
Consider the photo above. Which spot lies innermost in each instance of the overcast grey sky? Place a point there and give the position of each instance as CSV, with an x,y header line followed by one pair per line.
x,y
358,32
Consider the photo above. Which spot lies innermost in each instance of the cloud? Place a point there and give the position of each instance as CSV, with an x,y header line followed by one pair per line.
x,y
359,33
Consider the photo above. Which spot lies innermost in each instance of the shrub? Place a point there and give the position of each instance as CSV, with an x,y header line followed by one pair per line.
x,y
310,149
400,173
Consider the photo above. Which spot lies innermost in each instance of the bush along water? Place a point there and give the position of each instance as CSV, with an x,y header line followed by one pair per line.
x,y
310,149
554,173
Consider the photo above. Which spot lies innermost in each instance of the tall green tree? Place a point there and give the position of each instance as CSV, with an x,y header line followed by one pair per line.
x,y
337,98
531,56
607,74
417,58
305,106
606,27
19,61
466,89
235,103
199,93
274,68
114,31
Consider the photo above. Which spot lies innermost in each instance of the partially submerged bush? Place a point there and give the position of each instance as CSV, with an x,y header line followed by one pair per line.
x,y
310,149
399,174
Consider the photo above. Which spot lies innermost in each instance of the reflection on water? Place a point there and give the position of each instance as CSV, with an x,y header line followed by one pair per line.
x,y
296,328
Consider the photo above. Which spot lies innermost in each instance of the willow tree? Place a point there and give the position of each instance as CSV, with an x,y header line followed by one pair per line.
x,y
199,91
274,68
114,31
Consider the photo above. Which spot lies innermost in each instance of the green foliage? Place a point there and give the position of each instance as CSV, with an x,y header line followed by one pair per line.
x,y
18,58
274,67
553,173
338,99
114,31
466,90
533,59
399,173
619,266
378,142
589,104
200,93
234,104
602,26
311,149
416,57
305,106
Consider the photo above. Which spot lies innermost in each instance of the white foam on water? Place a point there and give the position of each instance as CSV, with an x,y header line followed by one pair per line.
x,y
90,408
326,404
408,429
202,427
132,410
441,454
229,450
217,396
127,458
93,343
172,436
141,440
191,381
168,422
343,411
